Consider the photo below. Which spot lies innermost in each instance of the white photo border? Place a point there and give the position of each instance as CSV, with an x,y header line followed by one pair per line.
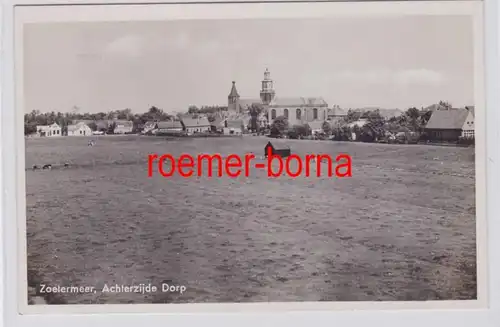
x,y
13,261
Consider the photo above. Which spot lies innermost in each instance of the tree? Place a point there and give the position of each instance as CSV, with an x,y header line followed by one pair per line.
x,y
445,104
193,110
302,130
425,116
111,128
254,111
413,118
279,125
352,116
374,128
29,129
93,126
327,128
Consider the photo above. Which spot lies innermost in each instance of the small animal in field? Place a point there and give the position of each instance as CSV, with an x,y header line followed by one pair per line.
x,y
35,167
47,166
91,143
66,164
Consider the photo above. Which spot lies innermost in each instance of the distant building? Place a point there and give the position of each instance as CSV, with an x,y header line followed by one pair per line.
x,y
149,126
218,124
196,125
336,116
336,113
123,127
79,129
169,127
49,130
316,127
450,125
298,110
234,127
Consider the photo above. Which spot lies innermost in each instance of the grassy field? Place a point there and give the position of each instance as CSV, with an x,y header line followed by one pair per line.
x,y
402,228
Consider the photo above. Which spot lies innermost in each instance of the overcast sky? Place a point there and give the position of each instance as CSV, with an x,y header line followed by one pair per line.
x,y
389,62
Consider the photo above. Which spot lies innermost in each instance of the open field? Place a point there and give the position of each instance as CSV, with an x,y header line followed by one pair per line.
x,y
402,228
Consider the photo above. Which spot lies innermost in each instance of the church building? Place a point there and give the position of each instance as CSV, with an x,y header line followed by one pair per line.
x,y
298,111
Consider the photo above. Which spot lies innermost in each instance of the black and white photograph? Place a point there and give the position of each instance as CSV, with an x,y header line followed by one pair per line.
x,y
307,159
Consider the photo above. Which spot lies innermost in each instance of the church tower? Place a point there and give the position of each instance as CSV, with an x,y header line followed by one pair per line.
x,y
267,91
233,100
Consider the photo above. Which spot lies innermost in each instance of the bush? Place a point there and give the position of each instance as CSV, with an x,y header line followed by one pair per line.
x,y
466,140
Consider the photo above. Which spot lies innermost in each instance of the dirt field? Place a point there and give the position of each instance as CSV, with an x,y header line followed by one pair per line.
x,y
402,228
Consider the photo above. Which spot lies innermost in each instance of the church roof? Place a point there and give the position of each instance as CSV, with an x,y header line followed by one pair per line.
x,y
299,102
234,92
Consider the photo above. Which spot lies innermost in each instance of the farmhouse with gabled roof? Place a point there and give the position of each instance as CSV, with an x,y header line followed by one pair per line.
x,y
450,125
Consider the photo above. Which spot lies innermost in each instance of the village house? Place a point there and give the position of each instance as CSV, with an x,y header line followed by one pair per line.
x,y
450,125
336,116
217,125
234,127
196,125
169,127
149,127
123,127
316,127
49,130
79,129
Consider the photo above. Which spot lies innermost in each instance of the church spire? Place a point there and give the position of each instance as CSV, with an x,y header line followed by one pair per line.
x,y
267,91
234,92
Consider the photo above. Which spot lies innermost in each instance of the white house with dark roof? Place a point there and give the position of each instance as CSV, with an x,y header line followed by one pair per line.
x,y
196,125
298,110
123,126
49,130
450,125
79,129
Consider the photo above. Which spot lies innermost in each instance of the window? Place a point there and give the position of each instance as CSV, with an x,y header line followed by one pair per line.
x,y
81,133
273,114
468,133
285,113
315,113
298,114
